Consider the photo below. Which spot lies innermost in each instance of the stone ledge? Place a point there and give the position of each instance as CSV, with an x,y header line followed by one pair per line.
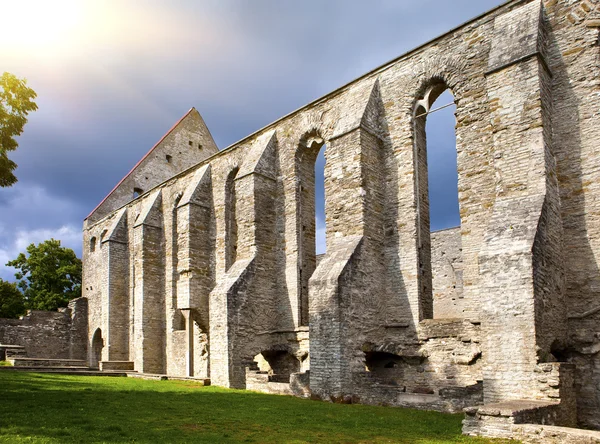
x,y
509,408
158,377
8,351
45,369
497,420
46,362
116,365
75,371
546,434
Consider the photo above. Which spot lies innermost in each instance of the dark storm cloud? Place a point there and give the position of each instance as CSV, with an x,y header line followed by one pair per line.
x,y
241,63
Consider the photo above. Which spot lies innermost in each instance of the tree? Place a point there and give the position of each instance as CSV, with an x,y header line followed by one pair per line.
x,y
16,102
11,300
49,276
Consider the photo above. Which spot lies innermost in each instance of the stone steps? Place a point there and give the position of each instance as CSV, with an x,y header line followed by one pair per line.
x,y
9,351
47,362
34,368
158,377
124,366
78,371
86,371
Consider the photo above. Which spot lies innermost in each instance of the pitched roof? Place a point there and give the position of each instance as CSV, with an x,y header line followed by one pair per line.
x,y
141,160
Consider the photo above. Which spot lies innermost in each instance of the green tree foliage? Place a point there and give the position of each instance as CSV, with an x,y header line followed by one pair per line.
x,y
16,102
49,276
11,300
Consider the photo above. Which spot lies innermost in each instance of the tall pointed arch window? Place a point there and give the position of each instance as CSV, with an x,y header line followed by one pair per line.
x,y
231,228
438,224
310,167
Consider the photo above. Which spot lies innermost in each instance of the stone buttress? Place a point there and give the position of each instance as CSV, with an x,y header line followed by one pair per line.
x,y
205,265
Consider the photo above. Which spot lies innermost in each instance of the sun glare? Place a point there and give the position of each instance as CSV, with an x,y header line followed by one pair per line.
x,y
40,27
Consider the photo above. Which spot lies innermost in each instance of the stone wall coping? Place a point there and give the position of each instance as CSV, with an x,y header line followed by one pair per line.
x,y
445,321
118,362
294,330
51,360
509,408
546,432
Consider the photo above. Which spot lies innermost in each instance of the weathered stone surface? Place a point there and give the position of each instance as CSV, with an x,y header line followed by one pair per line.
x,y
212,271
182,147
447,274
46,334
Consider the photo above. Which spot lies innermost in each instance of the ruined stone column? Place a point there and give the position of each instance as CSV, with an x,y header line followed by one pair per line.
x,y
195,249
242,304
115,249
195,246
346,290
522,289
149,290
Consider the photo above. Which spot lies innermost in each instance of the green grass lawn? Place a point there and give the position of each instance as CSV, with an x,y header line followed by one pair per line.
x,y
45,408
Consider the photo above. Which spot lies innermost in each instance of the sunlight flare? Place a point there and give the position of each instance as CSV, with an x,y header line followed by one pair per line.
x,y
40,26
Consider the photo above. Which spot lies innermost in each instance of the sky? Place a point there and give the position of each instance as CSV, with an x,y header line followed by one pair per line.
x,y
112,76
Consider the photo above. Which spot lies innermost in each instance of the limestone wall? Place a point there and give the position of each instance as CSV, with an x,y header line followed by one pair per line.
x,y
183,146
447,274
574,59
217,264
48,334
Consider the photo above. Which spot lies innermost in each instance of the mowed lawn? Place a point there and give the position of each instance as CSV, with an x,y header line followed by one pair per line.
x,y
46,408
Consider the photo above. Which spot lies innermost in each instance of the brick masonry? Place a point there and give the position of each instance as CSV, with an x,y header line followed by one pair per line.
x,y
212,268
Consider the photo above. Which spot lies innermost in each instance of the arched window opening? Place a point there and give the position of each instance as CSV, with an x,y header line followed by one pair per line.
x,y
137,192
178,319
442,165
310,163
231,228
440,258
320,239
93,244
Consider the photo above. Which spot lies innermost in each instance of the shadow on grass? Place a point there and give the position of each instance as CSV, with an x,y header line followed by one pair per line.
x,y
56,408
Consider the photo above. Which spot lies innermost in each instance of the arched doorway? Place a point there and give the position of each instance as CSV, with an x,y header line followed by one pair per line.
x,y
96,350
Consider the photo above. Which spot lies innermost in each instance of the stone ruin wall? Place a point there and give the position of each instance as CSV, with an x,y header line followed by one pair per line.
x,y
43,334
218,262
173,153
447,273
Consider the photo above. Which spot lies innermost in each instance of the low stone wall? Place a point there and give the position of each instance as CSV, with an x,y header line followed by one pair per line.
x,y
47,334
495,420
544,434
447,400
116,366
258,381
300,384
439,369
526,421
